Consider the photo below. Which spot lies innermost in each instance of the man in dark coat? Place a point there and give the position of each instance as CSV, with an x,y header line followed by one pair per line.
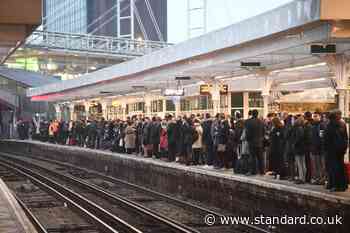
x,y
155,136
139,131
173,135
336,144
308,144
100,132
146,137
207,139
255,131
187,131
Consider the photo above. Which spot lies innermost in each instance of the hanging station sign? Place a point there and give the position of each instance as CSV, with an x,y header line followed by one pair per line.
x,y
173,92
207,89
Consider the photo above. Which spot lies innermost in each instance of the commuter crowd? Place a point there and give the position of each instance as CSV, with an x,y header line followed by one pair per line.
x,y
305,148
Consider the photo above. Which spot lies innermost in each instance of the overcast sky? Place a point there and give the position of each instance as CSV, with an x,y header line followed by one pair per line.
x,y
220,13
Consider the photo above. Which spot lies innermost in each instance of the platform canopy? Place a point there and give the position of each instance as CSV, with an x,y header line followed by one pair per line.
x,y
279,39
18,19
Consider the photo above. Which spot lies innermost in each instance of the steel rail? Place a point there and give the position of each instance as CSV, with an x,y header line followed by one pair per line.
x,y
177,226
106,221
38,226
143,189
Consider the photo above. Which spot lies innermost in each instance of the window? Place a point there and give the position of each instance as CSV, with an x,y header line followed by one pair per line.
x,y
170,106
237,103
223,101
135,107
256,100
157,106
185,105
237,100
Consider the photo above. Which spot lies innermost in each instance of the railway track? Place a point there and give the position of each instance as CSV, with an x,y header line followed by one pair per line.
x,y
181,216
41,202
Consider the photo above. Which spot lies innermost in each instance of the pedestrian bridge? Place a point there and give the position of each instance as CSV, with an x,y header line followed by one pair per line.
x,y
92,44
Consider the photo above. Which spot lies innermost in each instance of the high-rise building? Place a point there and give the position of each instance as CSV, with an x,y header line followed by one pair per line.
x,y
135,19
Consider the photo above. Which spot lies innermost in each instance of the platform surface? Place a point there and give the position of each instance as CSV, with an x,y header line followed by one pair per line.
x,y
317,191
12,217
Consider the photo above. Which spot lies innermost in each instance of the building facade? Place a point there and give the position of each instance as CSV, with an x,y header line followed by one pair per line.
x,y
134,19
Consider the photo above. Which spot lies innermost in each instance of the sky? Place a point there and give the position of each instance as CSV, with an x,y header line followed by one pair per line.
x,y
220,13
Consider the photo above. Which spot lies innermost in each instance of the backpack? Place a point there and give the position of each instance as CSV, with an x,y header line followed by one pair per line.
x,y
195,135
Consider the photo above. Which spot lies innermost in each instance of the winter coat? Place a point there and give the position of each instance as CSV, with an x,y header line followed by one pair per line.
x,y
146,133
277,149
207,137
298,140
336,138
187,133
255,132
173,133
155,133
198,144
130,137
223,132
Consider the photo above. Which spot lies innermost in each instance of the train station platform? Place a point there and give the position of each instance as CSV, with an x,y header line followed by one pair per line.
x,y
12,217
237,194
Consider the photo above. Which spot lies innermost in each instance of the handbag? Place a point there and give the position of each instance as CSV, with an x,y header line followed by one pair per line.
x,y
221,148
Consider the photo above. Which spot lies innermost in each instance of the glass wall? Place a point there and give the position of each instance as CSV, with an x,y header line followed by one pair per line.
x,y
114,112
196,103
135,107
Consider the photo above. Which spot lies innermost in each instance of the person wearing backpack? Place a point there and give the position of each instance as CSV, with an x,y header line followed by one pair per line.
x,y
336,144
197,145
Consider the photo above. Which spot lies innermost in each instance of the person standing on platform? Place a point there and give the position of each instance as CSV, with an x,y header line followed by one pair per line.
x,y
173,137
130,138
255,132
139,125
215,138
208,140
100,132
277,148
298,147
186,155
336,144
308,144
180,140
155,136
197,143
163,144
92,134
146,138
222,139
316,156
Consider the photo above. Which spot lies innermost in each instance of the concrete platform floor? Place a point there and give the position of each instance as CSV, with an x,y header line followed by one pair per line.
x,y
12,217
264,181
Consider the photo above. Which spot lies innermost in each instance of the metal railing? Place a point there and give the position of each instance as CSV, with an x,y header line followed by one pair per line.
x,y
92,44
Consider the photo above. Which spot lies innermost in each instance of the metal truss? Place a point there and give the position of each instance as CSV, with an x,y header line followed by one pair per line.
x,y
85,43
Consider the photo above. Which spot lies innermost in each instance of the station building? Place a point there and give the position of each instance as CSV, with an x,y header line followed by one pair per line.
x,y
261,61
